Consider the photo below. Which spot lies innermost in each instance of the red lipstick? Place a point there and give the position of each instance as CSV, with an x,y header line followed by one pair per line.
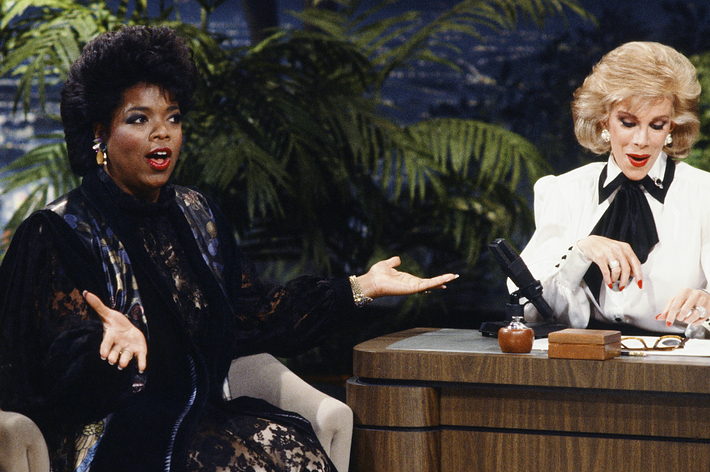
x,y
638,160
159,159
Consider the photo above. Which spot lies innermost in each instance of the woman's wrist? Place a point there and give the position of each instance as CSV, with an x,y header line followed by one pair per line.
x,y
359,295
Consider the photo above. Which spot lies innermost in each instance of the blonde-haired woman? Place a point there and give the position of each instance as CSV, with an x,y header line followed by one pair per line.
x,y
626,243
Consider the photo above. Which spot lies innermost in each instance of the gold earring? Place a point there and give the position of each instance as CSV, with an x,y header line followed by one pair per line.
x,y
100,159
101,154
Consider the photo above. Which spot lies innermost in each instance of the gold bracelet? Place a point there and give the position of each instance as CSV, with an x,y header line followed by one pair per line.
x,y
360,299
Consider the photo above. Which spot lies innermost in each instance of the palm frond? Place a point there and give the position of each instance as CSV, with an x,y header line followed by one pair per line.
x,y
45,42
394,41
470,179
700,156
484,153
42,173
47,36
290,135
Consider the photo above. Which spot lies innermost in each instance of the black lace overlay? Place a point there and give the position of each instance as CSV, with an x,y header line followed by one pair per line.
x,y
45,352
241,441
163,246
247,443
201,311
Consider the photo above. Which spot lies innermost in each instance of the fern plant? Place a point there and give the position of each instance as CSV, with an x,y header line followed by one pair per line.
x,y
291,134
352,182
39,40
700,155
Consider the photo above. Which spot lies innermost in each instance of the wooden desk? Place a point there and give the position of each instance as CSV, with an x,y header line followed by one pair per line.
x,y
453,412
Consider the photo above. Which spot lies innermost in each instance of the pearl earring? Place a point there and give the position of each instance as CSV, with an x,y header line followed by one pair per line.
x,y
606,137
669,140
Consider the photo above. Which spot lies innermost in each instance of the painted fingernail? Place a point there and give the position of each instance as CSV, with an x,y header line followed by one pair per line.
x,y
668,323
621,289
611,286
640,283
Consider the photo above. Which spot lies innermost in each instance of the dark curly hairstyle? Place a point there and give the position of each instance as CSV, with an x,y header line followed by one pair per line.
x,y
109,65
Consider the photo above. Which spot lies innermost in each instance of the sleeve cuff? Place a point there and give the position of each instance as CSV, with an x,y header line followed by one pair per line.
x,y
572,268
343,294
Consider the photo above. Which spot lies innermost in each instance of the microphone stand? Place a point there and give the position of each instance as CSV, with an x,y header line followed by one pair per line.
x,y
514,267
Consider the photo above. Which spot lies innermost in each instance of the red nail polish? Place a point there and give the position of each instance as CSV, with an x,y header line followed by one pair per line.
x,y
611,286
640,283
668,323
621,289
658,315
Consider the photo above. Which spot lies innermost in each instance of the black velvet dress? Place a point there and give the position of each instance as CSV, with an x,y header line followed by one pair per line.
x,y
201,305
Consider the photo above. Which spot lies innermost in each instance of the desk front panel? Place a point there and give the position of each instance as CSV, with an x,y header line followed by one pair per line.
x,y
492,451
558,410
507,415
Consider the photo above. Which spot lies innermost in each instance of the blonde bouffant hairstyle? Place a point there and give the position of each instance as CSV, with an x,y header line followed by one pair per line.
x,y
638,74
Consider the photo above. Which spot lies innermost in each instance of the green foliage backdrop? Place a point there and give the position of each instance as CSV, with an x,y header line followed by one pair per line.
x,y
293,137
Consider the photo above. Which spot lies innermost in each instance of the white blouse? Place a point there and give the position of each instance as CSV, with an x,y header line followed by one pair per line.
x,y
567,208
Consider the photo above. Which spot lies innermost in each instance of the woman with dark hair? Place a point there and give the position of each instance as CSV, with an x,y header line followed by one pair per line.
x,y
124,301
624,244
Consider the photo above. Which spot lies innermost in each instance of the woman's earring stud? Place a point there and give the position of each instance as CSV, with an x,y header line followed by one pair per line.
x,y
606,137
669,140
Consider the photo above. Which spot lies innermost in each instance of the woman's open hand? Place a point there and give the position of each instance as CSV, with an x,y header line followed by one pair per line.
x,y
616,260
122,341
384,280
687,306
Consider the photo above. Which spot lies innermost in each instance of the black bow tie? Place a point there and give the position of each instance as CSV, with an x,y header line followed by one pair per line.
x,y
656,188
629,217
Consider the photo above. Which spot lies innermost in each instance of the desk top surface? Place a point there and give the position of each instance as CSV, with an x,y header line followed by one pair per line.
x,y
473,358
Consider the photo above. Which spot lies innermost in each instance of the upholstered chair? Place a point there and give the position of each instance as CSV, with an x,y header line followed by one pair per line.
x,y
23,449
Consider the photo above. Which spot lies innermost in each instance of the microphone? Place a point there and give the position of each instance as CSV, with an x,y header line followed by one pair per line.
x,y
514,267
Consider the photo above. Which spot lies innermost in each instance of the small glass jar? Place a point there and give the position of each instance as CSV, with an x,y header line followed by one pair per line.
x,y
516,337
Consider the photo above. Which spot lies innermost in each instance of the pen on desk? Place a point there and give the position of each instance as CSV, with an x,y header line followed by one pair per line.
x,y
634,353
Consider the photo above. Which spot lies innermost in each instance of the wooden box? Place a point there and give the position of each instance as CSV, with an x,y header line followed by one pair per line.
x,y
595,344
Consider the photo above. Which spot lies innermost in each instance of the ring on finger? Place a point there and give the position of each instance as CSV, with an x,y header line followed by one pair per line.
x,y
703,311
614,264
125,350
681,318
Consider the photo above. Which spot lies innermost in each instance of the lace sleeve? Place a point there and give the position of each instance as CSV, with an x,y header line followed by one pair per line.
x,y
50,337
289,319
282,320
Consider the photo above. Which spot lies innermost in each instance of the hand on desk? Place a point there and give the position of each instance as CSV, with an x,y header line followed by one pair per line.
x,y
687,306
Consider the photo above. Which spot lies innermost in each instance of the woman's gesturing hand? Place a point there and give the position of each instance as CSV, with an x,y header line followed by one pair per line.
x,y
616,260
383,280
687,306
122,341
